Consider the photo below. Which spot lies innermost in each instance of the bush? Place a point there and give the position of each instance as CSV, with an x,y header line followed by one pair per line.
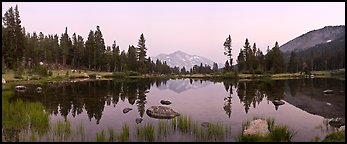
x,y
118,74
40,70
50,73
92,76
133,73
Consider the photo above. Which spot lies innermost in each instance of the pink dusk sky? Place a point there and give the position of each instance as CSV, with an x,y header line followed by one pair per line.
x,y
195,28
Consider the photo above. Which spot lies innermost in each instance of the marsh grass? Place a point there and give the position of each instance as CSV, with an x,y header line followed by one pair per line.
x,y
145,132
111,135
215,131
184,123
62,130
338,136
124,135
101,137
80,131
164,128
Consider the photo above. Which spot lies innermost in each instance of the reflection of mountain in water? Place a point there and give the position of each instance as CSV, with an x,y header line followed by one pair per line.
x,y
182,85
308,96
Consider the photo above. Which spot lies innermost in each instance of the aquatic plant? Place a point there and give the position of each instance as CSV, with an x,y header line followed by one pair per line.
x,y
145,132
101,137
163,128
338,136
111,135
124,135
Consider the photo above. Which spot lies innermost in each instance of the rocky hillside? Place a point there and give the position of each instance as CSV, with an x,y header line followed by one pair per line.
x,y
313,38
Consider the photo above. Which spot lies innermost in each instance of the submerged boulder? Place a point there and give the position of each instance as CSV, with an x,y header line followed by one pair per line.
x,y
205,124
161,112
126,110
257,127
165,102
138,120
20,88
328,91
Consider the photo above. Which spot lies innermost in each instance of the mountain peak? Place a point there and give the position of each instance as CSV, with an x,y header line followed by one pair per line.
x,y
182,59
180,52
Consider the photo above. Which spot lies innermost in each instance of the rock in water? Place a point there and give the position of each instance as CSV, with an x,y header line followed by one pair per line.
x,y
126,110
138,120
161,112
328,91
20,88
257,127
39,89
278,102
205,124
165,102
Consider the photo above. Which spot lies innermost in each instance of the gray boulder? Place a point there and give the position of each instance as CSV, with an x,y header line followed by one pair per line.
x,y
161,112
257,127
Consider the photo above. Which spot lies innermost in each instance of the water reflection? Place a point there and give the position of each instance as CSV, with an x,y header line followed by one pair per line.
x,y
91,96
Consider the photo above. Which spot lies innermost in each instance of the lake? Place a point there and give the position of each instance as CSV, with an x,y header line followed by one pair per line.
x,y
89,107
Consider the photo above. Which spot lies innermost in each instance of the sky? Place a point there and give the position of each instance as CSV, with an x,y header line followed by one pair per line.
x,y
191,27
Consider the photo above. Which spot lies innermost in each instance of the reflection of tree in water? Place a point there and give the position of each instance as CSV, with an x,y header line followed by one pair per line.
x,y
253,92
65,98
227,104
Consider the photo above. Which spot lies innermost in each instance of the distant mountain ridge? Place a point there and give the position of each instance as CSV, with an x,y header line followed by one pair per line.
x,y
180,59
313,38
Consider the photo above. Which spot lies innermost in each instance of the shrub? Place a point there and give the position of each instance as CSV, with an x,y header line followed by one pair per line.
x,y
133,73
40,70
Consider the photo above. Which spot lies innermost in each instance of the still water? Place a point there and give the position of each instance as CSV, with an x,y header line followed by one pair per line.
x,y
98,105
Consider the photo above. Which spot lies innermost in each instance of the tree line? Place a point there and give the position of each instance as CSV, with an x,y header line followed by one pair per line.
x,y
327,56
26,50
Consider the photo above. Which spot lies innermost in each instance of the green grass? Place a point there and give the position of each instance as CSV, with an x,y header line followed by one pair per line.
x,y
184,123
163,128
145,132
101,137
62,130
338,136
111,135
281,134
124,135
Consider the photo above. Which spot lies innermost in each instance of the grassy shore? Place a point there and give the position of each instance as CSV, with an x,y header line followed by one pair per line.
x,y
68,74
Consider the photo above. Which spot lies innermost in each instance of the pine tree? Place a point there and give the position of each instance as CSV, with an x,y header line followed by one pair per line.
x,y
141,53
100,49
241,64
91,50
132,60
227,48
